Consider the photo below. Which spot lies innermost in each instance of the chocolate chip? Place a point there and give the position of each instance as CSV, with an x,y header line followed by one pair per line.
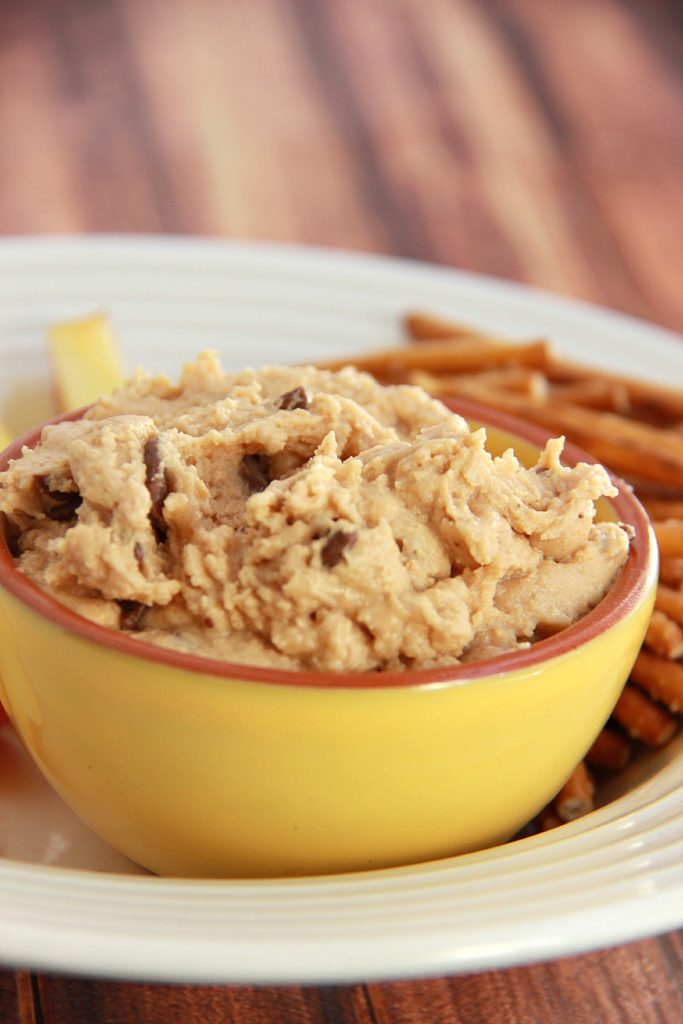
x,y
336,544
58,505
12,536
157,485
132,614
65,508
255,471
139,553
297,398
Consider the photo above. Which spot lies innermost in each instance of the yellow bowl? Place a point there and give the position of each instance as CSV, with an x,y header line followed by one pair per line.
x,y
201,768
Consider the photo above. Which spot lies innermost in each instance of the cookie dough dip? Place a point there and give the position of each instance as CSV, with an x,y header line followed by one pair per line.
x,y
299,518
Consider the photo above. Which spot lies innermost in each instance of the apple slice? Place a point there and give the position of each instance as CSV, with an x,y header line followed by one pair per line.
x,y
85,360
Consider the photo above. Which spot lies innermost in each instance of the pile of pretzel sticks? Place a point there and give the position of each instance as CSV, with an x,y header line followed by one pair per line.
x,y
633,427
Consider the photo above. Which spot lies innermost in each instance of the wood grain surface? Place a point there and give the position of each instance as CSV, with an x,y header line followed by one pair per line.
x,y
538,140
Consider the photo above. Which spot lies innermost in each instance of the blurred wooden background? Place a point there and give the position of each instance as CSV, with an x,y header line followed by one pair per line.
x,y
539,140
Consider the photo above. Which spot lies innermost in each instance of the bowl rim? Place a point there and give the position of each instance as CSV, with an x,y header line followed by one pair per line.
x,y
631,586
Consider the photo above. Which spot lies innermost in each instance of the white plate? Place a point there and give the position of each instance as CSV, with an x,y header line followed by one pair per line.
x,y
69,903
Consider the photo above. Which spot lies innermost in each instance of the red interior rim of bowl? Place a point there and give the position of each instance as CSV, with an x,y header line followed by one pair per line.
x,y
636,576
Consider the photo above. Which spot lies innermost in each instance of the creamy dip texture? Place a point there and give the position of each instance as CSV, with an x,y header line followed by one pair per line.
x,y
295,517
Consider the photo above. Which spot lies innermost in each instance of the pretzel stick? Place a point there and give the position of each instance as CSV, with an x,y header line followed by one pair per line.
x,y
664,636
525,380
425,327
605,425
670,602
595,394
576,796
562,415
643,719
663,508
446,358
626,446
647,489
610,752
669,536
661,678
548,819
671,571
651,397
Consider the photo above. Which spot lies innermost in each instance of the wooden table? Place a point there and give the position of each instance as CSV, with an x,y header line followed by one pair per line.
x,y
540,140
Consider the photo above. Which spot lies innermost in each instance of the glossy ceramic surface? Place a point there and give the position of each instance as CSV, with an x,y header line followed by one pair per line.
x,y
274,774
